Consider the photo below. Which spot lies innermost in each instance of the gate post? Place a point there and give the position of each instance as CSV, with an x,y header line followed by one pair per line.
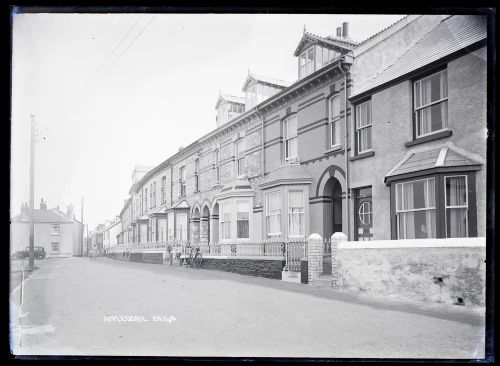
x,y
314,257
337,238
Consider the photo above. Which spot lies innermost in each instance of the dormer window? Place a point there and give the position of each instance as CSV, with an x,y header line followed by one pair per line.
x,y
315,58
259,88
228,107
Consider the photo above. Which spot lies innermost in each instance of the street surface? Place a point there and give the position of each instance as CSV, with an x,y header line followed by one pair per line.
x,y
76,306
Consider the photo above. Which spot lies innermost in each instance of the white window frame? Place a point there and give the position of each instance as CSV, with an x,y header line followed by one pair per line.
x,y
56,229
303,213
196,175
287,139
466,206
334,122
154,194
303,69
222,220
248,219
361,214
359,129
427,208
52,251
420,109
268,214
217,166
240,157
163,189
182,181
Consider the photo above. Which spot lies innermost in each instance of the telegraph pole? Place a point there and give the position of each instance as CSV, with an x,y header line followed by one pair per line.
x,y
32,197
82,228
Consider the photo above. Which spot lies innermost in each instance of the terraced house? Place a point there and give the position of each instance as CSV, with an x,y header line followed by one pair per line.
x,y
380,139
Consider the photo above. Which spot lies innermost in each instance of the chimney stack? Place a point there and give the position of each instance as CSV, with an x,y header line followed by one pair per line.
x,y
69,212
345,30
43,205
339,32
25,210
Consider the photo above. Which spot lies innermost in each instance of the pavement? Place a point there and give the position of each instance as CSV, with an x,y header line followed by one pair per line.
x,y
75,306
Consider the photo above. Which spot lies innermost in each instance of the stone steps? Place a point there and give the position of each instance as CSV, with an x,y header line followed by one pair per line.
x,y
290,276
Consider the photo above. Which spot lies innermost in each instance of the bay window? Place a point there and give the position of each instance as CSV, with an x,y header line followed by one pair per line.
x,y
438,206
416,209
181,226
296,222
430,95
273,214
334,120
290,137
364,127
456,206
242,219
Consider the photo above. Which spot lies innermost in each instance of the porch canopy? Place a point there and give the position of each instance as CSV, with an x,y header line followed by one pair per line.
x,y
444,159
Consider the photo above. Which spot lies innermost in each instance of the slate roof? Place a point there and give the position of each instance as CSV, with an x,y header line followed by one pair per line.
x,y
286,173
452,34
443,157
342,42
264,79
42,216
229,98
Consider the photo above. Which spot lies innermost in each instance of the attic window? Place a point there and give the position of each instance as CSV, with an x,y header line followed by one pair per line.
x,y
315,58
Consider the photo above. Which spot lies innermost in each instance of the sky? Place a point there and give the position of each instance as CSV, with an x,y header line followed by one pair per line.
x,y
111,91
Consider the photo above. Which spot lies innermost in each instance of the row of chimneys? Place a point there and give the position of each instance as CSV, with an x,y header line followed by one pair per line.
x,y
43,206
343,31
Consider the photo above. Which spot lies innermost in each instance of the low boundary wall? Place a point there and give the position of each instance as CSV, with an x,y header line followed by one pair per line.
x,y
434,270
269,267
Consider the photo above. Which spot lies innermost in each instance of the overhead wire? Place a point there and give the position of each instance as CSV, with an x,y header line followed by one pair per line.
x,y
107,70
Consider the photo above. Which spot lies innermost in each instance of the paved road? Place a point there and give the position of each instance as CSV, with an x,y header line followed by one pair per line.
x,y
68,305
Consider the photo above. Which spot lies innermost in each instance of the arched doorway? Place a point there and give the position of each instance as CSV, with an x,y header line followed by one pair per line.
x,y
205,225
332,207
214,224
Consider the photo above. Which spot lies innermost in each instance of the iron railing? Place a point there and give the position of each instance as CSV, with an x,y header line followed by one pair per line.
x,y
292,250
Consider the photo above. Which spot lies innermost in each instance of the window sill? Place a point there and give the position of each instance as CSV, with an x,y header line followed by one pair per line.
x,y
334,149
435,136
362,155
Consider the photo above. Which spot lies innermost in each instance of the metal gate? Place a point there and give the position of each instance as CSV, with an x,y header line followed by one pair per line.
x,y
294,251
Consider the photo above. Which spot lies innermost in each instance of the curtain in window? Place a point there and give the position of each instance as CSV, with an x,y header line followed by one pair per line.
x,y
242,220
295,213
417,201
181,226
456,211
273,214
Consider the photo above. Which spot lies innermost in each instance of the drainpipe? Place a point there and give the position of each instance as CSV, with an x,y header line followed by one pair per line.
x,y
262,142
346,140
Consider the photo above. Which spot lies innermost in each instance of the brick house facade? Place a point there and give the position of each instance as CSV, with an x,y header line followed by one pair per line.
x,y
322,155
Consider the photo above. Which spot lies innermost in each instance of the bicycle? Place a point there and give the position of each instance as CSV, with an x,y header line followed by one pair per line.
x,y
198,258
194,260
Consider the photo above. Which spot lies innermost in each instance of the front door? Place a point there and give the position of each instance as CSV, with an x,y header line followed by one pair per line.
x,y
363,214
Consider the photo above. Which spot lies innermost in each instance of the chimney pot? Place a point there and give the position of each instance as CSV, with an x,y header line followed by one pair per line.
x,y
339,32
345,30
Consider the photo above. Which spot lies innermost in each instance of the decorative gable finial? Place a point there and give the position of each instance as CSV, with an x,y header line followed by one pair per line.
x,y
304,28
